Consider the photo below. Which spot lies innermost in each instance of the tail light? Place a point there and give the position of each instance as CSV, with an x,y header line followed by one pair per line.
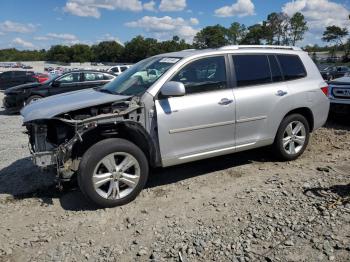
x,y
325,90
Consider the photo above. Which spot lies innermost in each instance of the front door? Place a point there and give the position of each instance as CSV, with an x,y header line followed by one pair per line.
x,y
66,83
201,123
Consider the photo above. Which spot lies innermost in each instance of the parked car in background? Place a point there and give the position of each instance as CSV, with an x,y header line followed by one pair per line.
x,y
339,95
176,108
19,96
14,78
333,72
117,70
41,78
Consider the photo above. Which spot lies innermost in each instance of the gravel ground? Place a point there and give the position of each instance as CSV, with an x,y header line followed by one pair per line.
x,y
240,207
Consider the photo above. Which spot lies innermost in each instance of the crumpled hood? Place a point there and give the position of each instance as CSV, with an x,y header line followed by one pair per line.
x,y
55,105
21,87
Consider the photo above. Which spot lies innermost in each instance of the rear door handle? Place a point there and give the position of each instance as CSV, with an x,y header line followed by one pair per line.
x,y
225,101
281,93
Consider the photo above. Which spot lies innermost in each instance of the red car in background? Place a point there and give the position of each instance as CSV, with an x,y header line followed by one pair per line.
x,y
41,77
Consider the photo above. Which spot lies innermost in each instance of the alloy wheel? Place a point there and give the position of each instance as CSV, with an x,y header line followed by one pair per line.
x,y
294,137
116,175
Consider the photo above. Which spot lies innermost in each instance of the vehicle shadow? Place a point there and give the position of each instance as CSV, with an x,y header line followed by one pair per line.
x,y
340,193
174,174
340,122
5,112
22,180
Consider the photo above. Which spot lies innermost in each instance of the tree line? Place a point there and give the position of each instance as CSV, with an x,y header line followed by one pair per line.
x,y
277,29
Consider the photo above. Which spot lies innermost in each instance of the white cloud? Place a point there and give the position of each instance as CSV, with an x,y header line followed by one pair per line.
x,y
172,5
91,8
9,26
166,27
240,8
2,33
194,21
22,43
67,37
319,13
41,38
150,6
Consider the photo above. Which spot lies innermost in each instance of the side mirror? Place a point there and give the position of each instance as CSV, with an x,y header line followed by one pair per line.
x,y
56,83
173,88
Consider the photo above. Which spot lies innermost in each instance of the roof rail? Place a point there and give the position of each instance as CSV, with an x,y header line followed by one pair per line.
x,y
187,50
236,47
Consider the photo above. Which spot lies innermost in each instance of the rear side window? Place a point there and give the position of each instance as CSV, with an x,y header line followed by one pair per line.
x,y
291,66
251,70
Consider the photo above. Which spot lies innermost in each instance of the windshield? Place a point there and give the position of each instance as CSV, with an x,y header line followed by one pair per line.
x,y
137,79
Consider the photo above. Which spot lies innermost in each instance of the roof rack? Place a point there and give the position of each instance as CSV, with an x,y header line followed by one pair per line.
x,y
236,47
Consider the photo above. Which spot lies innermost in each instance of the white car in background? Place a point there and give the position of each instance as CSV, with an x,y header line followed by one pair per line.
x,y
117,70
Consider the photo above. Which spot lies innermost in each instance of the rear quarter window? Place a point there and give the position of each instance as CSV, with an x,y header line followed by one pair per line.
x,y
292,67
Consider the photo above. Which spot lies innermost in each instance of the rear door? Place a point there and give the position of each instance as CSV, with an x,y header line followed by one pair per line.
x,y
201,123
93,79
66,83
260,92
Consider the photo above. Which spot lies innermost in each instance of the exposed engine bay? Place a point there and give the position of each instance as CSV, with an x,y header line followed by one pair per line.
x,y
61,140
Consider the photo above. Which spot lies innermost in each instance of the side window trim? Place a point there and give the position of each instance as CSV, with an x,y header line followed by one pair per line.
x,y
278,65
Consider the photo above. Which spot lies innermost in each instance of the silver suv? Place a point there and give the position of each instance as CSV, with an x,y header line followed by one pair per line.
x,y
175,108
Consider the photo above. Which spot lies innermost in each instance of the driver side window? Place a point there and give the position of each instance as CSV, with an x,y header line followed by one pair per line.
x,y
70,78
203,75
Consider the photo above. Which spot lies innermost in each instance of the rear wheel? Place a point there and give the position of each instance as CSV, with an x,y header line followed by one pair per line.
x,y
292,137
113,172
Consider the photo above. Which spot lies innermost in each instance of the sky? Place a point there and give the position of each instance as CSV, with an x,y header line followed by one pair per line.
x,y
37,24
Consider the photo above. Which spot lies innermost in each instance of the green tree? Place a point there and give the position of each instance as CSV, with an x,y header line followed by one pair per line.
x,y
139,48
211,37
236,33
254,36
107,51
334,34
274,29
298,27
80,53
59,53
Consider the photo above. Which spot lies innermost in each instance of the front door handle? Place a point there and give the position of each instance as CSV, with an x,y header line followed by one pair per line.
x,y
281,93
225,101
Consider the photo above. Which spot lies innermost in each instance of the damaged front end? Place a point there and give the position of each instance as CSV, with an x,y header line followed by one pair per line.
x,y
59,142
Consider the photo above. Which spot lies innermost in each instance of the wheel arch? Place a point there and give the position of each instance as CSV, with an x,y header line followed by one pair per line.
x,y
129,130
305,112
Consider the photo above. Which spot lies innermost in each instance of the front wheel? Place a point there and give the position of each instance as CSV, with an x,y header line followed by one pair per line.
x,y
112,172
292,137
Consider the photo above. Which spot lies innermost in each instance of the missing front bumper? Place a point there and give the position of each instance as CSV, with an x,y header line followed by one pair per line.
x,y
44,159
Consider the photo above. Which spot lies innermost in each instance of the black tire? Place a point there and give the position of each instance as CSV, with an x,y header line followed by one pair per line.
x,y
32,98
95,154
278,147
